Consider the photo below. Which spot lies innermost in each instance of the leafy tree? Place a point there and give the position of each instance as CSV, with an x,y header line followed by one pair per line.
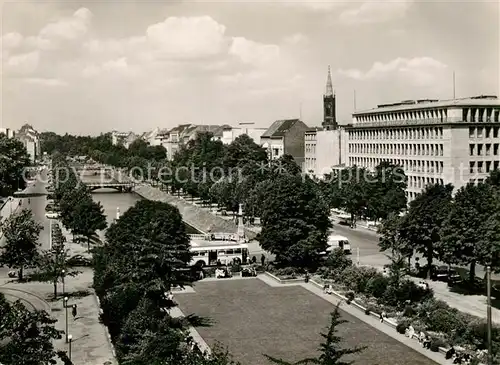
x,y
27,336
295,221
243,150
355,190
21,234
89,217
424,220
494,178
331,352
391,239
387,191
13,159
471,231
51,263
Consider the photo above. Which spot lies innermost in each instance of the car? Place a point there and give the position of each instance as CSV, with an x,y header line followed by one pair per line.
x,y
52,215
79,260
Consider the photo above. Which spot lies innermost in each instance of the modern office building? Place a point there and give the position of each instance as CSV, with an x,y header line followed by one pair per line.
x,y
436,141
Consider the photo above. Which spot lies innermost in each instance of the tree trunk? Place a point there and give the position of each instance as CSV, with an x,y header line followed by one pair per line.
x,y
429,260
55,289
20,274
88,243
472,272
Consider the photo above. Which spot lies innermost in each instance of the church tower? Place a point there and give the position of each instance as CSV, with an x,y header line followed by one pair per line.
x,y
329,117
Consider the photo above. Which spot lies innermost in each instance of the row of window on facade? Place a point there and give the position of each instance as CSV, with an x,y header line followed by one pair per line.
x,y
419,182
404,115
310,137
397,149
483,166
310,148
483,132
480,114
409,166
400,133
486,149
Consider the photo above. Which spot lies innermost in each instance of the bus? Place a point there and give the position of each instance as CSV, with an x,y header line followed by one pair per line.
x,y
215,253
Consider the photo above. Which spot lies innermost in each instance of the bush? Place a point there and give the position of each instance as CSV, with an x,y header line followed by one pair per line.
x,y
286,272
338,260
446,321
350,296
409,311
436,343
367,311
356,278
377,285
401,327
406,291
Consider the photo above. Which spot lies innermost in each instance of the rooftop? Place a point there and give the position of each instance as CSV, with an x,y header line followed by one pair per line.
x,y
280,127
482,100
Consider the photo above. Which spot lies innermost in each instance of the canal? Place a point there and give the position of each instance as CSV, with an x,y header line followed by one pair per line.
x,y
111,199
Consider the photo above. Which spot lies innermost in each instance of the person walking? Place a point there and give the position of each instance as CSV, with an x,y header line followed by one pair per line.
x,y
263,259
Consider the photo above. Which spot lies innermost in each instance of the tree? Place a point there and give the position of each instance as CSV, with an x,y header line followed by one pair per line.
x,y
21,234
391,238
424,220
51,263
355,190
27,336
388,191
89,217
295,221
330,351
13,159
471,231
242,151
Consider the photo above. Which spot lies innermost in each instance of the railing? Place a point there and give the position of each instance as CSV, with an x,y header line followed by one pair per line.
x,y
218,236
409,122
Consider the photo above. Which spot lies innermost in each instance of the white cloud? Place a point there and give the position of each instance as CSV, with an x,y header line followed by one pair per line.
x,y
375,11
22,64
44,82
69,28
11,41
418,70
184,37
295,39
253,52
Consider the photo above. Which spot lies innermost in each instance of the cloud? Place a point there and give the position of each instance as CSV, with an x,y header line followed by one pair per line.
x,y
253,52
68,28
21,64
44,82
375,11
11,41
295,39
419,70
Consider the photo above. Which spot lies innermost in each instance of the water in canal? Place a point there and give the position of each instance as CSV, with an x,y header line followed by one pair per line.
x,y
111,199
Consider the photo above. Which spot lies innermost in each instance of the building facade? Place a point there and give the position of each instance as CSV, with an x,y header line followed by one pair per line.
x,y
9,133
229,134
285,137
324,147
31,141
448,141
124,139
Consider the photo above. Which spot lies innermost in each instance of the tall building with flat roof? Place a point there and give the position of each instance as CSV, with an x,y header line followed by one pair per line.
x,y
435,141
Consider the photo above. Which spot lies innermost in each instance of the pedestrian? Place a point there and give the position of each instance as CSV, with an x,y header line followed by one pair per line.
x,y
263,259
254,259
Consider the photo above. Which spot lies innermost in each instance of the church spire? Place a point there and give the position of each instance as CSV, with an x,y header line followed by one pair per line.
x,y
329,86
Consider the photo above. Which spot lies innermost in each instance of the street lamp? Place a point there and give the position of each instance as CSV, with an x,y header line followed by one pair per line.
x,y
63,272
488,311
73,311
70,339
50,234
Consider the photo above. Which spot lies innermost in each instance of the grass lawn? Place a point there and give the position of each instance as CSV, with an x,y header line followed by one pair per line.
x,y
252,318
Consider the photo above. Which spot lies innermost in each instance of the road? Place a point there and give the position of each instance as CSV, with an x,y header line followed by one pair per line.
x,y
37,206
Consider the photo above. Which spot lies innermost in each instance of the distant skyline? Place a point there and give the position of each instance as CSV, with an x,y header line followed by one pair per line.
x,y
86,67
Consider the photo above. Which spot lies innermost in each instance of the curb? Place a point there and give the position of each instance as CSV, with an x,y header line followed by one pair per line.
x,y
106,331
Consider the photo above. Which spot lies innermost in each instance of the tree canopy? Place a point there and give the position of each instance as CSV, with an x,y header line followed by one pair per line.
x,y
13,160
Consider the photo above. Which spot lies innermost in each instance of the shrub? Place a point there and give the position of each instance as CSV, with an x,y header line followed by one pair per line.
x,y
377,285
338,260
356,278
401,327
406,291
350,296
436,343
235,268
409,311
367,311
286,271
446,321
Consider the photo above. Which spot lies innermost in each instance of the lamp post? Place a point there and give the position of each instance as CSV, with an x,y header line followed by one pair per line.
x,y
488,314
63,273
66,307
70,339
50,234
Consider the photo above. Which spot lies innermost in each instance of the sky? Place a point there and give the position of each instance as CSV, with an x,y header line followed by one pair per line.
x,y
89,67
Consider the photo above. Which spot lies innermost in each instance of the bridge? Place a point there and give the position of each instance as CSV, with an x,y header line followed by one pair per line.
x,y
122,187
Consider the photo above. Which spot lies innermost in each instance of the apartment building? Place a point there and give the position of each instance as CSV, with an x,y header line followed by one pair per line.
x,y
30,139
435,141
9,133
229,134
123,138
285,137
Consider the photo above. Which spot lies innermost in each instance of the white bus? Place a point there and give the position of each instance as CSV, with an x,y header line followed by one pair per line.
x,y
336,241
210,254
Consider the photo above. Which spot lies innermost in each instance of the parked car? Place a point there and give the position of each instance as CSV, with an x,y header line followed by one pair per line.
x,y
52,215
79,260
